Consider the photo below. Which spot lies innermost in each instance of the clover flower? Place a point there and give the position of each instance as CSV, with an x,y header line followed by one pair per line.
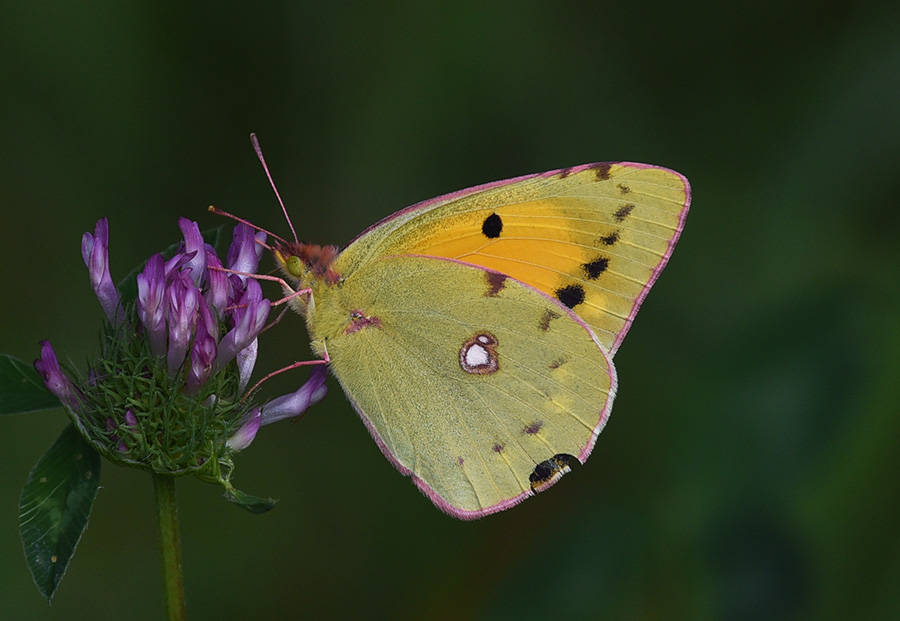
x,y
165,393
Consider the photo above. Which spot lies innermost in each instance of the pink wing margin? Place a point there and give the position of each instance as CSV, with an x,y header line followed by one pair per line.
x,y
464,514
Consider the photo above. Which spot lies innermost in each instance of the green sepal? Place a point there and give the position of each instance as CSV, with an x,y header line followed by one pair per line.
x,y
253,504
55,506
22,389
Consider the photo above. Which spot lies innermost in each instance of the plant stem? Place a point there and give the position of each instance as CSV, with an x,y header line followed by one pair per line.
x,y
170,540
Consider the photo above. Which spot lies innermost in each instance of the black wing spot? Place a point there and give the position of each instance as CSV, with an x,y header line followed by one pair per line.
x,y
492,226
595,268
624,189
609,240
497,447
571,295
548,472
623,212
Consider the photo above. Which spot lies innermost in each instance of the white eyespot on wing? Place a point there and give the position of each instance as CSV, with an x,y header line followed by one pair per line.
x,y
478,354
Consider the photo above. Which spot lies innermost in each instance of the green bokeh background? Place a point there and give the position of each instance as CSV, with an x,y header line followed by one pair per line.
x,y
750,467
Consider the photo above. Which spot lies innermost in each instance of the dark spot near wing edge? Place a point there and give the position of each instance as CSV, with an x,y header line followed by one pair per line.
x,y
547,472
602,171
594,268
609,240
570,295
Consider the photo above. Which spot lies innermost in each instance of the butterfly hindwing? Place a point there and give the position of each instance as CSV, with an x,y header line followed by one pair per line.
x,y
479,386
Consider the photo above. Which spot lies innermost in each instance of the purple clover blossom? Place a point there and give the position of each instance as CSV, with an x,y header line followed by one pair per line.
x,y
246,360
219,289
203,351
175,264
296,403
95,252
130,418
247,432
55,380
244,253
151,303
194,247
250,316
292,405
182,299
168,293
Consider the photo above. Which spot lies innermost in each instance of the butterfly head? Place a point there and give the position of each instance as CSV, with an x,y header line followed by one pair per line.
x,y
307,263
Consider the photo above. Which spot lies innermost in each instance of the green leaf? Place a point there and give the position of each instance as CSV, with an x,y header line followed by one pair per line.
x,y
253,504
55,505
22,389
128,286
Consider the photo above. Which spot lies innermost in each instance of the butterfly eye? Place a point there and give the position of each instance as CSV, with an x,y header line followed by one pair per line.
x,y
294,266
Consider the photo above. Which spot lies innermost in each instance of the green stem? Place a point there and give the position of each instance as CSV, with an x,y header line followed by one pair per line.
x,y
173,576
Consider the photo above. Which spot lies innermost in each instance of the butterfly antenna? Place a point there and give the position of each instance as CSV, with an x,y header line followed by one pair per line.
x,y
262,160
221,212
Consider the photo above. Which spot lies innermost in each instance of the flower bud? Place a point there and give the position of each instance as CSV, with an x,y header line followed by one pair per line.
x,y
95,252
296,403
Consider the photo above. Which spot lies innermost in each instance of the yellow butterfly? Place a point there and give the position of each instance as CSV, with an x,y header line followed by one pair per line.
x,y
474,332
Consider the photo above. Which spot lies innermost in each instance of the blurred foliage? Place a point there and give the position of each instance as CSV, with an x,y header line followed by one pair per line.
x,y
749,469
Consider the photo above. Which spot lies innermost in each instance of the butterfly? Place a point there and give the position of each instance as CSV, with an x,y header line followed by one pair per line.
x,y
474,333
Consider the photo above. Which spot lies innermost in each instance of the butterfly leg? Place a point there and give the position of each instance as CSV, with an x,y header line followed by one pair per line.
x,y
296,365
284,285
281,281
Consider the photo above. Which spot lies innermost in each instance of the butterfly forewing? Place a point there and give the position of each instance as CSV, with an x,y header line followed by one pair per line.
x,y
594,237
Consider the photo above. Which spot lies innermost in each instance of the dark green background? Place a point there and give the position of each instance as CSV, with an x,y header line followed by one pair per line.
x,y
750,467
